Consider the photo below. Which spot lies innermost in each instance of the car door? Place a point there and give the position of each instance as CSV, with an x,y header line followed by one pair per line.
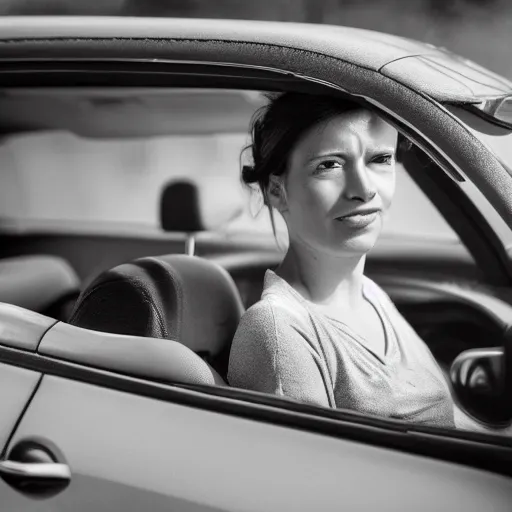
x,y
16,388
130,452
19,329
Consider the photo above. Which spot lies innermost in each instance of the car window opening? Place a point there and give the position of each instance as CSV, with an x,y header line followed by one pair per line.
x,y
79,167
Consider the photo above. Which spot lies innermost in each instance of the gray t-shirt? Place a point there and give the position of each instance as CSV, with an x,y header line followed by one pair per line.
x,y
286,346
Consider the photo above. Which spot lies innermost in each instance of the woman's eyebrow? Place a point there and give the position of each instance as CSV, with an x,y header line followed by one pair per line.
x,y
325,154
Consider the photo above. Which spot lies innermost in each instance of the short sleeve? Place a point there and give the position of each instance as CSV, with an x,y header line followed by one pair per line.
x,y
270,355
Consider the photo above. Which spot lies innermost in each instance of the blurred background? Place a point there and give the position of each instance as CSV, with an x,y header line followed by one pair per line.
x,y
480,30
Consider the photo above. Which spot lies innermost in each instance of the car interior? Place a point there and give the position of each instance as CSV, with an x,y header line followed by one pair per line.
x,y
122,216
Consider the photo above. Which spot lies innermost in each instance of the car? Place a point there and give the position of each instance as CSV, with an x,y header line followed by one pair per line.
x,y
120,152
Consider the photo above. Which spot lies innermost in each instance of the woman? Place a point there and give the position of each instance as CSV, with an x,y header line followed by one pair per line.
x,y
323,333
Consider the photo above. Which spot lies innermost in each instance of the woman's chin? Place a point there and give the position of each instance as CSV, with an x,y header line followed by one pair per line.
x,y
359,243
359,247
340,244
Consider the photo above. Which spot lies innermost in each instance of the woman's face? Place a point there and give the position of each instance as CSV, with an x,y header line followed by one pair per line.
x,y
339,183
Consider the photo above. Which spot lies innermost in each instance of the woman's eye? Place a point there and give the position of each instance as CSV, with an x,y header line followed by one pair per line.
x,y
328,164
384,159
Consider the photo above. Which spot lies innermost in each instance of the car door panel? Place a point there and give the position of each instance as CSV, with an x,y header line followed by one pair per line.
x,y
16,387
21,328
129,452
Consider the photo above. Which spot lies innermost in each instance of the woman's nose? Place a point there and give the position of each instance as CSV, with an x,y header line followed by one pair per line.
x,y
358,183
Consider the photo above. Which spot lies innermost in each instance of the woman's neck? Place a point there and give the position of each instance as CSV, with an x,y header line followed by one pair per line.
x,y
322,278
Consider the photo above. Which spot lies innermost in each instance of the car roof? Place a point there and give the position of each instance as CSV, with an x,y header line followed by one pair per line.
x,y
365,47
421,66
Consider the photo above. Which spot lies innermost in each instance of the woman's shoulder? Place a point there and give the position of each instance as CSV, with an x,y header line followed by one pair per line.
x,y
265,328
272,310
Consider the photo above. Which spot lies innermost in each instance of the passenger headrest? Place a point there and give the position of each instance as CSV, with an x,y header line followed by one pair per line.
x,y
182,298
179,208
37,282
184,208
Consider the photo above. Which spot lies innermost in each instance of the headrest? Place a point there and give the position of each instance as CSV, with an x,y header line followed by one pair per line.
x,y
179,208
183,298
188,208
37,282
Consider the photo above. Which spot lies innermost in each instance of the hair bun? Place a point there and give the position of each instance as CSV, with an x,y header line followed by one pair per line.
x,y
249,174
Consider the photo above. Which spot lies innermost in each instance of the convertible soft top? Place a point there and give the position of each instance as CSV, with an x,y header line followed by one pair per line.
x,y
423,67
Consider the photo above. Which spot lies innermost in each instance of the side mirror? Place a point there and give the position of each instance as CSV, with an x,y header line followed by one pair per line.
x,y
482,381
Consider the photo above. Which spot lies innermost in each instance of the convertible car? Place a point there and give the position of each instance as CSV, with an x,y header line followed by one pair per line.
x,y
129,251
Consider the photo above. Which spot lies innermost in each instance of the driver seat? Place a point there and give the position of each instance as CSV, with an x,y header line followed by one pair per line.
x,y
182,298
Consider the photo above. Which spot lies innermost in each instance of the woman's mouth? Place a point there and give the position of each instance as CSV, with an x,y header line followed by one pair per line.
x,y
359,220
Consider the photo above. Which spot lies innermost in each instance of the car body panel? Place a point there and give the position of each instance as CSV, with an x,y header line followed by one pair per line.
x,y
366,48
163,360
447,78
22,328
16,387
369,48
136,453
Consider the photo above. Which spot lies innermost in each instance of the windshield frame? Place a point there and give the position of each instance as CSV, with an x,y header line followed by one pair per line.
x,y
487,132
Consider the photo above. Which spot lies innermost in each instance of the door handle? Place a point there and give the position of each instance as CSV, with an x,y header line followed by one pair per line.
x,y
33,470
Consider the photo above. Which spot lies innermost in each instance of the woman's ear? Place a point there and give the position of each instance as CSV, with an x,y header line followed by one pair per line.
x,y
277,193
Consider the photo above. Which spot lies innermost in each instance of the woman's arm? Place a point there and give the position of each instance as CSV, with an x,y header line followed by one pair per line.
x,y
269,355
